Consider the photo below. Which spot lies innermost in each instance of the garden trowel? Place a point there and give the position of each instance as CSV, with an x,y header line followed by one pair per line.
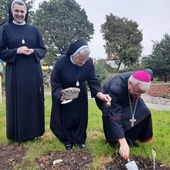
x,y
131,165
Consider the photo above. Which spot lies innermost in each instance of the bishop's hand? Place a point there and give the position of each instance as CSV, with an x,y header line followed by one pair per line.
x,y
124,149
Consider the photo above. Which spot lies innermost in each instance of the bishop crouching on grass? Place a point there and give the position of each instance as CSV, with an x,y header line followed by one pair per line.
x,y
128,118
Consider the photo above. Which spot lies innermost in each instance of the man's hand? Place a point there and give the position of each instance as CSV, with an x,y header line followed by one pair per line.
x,y
124,149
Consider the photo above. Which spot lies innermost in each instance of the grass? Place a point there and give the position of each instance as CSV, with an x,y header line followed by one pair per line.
x,y
95,139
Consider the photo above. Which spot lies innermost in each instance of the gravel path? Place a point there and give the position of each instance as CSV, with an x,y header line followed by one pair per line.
x,y
157,103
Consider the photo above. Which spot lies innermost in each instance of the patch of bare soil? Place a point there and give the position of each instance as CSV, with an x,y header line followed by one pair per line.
x,y
11,155
79,160
71,160
117,163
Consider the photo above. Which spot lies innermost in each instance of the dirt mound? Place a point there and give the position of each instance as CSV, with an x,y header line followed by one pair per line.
x,y
117,163
11,155
71,160
79,160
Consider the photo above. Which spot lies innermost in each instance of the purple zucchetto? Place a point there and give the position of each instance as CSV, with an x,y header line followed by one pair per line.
x,y
142,76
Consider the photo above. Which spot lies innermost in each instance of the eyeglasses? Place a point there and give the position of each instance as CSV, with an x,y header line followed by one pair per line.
x,y
135,92
82,59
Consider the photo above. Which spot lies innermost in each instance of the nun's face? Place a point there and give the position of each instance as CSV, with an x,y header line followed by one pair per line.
x,y
80,59
18,12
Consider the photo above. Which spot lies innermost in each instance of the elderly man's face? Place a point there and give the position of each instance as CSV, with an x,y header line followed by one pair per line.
x,y
135,91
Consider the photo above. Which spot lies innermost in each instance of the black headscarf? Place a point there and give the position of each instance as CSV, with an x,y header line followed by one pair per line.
x,y
76,46
10,20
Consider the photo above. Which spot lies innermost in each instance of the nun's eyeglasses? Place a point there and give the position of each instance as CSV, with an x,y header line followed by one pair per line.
x,y
82,59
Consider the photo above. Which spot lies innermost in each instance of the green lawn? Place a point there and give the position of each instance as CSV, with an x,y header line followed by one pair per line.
x,y
95,138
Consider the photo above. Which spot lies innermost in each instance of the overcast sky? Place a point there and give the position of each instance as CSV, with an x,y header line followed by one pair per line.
x,y
152,16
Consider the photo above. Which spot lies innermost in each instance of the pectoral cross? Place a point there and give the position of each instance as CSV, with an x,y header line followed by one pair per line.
x,y
133,120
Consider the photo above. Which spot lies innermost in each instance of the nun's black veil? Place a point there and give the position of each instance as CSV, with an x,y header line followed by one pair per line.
x,y
10,13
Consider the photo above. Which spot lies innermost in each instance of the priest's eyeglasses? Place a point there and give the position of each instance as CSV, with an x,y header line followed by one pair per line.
x,y
135,92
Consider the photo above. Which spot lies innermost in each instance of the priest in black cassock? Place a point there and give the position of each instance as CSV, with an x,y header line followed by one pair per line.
x,y
22,48
73,69
128,118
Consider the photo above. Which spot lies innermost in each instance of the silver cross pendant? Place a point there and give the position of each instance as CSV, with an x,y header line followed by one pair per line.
x,y
132,120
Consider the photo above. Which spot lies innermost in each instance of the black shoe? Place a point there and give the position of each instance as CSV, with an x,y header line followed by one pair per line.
x,y
82,146
68,147
34,139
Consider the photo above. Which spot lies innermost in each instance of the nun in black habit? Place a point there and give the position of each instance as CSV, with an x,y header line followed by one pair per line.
x,y
22,48
128,118
73,69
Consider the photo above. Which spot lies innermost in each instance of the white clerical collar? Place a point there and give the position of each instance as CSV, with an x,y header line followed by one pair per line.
x,y
16,23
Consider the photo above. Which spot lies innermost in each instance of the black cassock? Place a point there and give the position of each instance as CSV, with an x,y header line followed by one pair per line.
x,y
69,121
24,81
116,118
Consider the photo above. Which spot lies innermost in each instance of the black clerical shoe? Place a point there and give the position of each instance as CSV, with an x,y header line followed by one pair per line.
x,y
34,139
69,146
82,146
